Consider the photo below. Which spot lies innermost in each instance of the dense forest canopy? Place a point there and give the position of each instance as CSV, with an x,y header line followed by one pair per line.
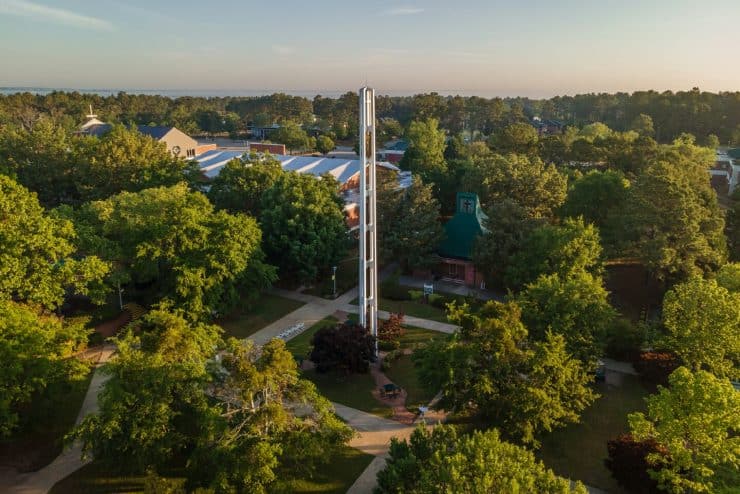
x,y
670,113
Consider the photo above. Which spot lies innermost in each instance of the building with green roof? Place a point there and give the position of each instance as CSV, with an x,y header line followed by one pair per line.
x,y
461,231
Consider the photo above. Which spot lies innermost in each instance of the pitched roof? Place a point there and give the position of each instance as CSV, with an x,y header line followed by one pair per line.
x,y
734,153
154,132
464,227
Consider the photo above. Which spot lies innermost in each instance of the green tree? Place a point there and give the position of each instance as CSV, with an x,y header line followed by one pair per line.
x,y
45,159
728,277
491,368
697,420
412,233
569,248
303,223
172,240
643,125
36,350
518,138
537,187
675,222
508,226
127,160
608,190
575,306
240,185
324,144
292,135
702,322
37,253
442,460
425,154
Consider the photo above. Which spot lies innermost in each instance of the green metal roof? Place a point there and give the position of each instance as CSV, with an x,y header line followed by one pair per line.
x,y
462,230
734,153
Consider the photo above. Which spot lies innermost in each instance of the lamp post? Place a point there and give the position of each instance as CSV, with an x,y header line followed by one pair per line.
x,y
334,280
120,296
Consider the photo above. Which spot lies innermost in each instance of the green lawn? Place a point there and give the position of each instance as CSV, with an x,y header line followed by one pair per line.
x,y
353,391
43,426
332,478
403,373
578,451
415,336
300,346
269,308
347,278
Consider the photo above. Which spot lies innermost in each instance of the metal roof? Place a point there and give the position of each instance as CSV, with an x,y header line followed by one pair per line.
x,y
211,163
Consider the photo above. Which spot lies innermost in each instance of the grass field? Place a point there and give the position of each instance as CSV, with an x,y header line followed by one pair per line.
x,y
300,346
269,308
335,477
578,451
43,426
353,391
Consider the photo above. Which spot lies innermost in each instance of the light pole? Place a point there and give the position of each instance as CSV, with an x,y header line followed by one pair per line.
x,y
334,279
120,296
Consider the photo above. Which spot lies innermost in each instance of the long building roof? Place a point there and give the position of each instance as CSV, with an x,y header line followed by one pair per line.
x,y
211,163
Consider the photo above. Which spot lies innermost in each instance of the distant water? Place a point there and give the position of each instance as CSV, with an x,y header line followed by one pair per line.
x,y
171,93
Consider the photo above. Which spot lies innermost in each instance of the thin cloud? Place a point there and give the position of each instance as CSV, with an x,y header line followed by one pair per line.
x,y
404,11
283,49
35,11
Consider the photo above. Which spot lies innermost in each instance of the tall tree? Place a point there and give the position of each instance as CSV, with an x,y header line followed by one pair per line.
x,y
702,322
173,242
608,190
517,138
675,221
292,135
240,185
569,248
697,420
508,225
537,187
37,253
440,461
425,154
490,367
303,223
575,306
413,233
36,350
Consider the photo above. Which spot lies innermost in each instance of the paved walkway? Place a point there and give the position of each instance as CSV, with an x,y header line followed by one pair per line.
x,y
41,481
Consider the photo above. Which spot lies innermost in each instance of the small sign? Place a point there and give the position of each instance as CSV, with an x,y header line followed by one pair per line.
x,y
428,289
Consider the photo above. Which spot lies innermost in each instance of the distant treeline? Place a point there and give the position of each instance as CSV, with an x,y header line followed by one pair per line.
x,y
673,113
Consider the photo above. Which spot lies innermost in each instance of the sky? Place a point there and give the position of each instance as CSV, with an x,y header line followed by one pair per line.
x,y
532,48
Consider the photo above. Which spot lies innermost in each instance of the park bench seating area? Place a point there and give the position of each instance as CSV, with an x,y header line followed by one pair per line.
x,y
389,390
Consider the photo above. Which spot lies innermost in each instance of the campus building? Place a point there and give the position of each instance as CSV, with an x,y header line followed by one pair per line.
x,y
456,250
346,172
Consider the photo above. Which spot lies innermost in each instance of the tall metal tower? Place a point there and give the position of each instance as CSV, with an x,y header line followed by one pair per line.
x,y
368,232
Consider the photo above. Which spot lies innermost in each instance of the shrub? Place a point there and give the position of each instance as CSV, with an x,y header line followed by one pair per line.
x,y
345,348
388,345
437,300
416,295
390,289
628,463
624,339
655,367
392,328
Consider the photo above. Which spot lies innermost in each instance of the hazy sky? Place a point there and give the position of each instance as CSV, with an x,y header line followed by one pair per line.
x,y
487,47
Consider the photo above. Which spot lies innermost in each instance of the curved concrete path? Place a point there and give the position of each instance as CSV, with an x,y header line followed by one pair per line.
x,y
41,481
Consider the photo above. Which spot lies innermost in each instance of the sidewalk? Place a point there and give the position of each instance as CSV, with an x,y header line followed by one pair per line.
x,y
41,481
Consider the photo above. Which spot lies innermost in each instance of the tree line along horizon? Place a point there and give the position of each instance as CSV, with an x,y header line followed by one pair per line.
x,y
82,216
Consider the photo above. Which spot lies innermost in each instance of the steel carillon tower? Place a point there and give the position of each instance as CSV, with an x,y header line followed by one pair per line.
x,y
368,232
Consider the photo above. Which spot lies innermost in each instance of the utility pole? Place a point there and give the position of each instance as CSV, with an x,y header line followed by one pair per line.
x,y
368,302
